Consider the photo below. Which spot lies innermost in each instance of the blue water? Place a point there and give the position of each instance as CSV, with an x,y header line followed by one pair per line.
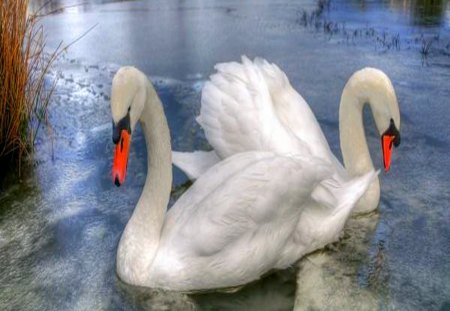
x,y
59,227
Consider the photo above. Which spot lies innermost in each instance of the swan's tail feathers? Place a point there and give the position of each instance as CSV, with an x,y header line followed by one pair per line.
x,y
194,164
352,191
341,197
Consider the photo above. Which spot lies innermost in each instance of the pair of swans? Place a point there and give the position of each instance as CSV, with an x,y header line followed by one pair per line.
x,y
270,192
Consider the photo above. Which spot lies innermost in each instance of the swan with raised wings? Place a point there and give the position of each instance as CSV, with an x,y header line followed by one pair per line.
x,y
252,106
236,222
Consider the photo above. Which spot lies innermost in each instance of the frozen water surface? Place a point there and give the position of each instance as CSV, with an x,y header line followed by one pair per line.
x,y
60,226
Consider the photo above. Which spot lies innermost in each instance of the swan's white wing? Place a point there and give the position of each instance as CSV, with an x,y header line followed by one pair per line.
x,y
293,111
252,106
237,112
236,219
194,164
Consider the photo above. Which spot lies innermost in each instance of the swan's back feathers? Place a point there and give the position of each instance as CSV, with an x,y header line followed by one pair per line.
x,y
238,211
250,212
258,208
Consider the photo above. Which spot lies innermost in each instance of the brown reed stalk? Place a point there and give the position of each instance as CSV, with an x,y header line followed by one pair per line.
x,y
24,95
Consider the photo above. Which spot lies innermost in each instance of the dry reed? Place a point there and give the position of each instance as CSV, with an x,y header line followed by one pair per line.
x,y
24,95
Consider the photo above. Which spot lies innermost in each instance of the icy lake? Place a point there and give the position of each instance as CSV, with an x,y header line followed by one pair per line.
x,y
59,226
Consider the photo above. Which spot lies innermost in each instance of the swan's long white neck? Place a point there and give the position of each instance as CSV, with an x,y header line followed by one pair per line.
x,y
140,240
364,87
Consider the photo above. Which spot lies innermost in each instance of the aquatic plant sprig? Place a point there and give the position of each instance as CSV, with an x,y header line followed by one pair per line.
x,y
24,95
26,90
318,20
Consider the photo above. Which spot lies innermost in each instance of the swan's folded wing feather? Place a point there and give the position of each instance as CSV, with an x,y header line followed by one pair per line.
x,y
194,164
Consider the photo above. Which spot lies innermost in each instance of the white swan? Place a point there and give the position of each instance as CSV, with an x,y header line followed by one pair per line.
x,y
252,106
236,222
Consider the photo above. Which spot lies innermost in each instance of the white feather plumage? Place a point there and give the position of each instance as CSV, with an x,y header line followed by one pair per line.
x,y
244,216
252,106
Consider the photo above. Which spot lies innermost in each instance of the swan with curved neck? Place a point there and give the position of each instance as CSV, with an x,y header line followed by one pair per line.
x,y
368,86
238,221
133,99
282,121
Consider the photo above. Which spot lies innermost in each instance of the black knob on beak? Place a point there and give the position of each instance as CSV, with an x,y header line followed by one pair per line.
x,y
123,124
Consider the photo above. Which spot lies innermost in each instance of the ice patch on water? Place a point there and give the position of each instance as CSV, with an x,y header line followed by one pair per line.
x,y
198,86
194,76
102,127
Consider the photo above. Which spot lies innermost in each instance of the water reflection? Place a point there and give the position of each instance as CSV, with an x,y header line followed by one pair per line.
x,y
53,6
420,13
346,276
274,292
423,12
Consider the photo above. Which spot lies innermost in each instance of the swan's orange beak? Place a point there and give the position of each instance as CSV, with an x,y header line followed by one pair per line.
x,y
387,142
119,168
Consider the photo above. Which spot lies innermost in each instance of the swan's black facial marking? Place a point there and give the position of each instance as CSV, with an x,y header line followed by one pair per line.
x,y
116,181
392,131
391,137
123,124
